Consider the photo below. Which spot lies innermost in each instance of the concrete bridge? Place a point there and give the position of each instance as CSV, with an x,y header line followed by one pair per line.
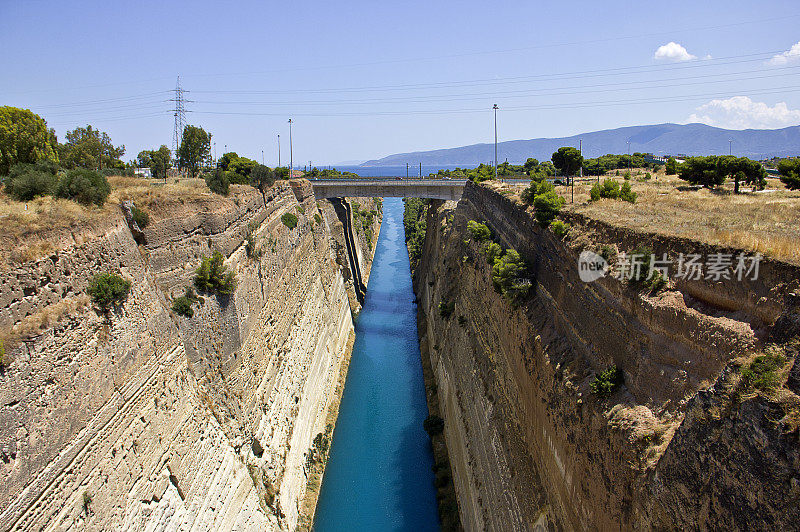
x,y
389,187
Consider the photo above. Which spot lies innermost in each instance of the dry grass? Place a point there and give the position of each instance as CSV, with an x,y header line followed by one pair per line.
x,y
42,320
34,229
766,221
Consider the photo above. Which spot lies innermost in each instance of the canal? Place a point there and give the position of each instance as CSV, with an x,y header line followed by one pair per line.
x,y
378,475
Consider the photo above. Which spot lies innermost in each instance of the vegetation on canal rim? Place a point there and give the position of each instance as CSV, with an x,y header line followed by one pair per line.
x,y
761,373
611,189
183,305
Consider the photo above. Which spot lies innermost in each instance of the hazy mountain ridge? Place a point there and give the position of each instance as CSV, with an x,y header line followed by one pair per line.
x,y
659,139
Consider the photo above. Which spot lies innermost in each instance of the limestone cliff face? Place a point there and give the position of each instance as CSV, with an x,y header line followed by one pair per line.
x,y
143,418
679,445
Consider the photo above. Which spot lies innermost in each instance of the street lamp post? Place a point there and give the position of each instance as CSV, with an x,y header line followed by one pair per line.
x,y
279,151
291,161
629,158
495,141
730,146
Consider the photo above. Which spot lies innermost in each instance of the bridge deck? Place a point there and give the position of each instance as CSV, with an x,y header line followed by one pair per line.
x,y
446,189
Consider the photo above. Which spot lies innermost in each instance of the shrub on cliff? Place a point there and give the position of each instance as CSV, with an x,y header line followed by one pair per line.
x,y
493,252
218,182
289,220
607,382
212,276
534,189
547,206
183,305
761,373
433,425
480,232
140,216
84,186
28,181
507,276
446,309
560,228
108,289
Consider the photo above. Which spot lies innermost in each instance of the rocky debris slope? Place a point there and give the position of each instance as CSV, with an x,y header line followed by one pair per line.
x,y
140,417
682,442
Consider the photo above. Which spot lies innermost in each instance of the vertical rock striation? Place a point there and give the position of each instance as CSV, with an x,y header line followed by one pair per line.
x,y
140,418
681,444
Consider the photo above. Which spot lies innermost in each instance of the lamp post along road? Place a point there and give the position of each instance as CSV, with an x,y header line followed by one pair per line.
x,y
279,150
291,161
495,141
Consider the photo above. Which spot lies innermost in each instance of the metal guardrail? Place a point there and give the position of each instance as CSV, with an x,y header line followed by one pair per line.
x,y
388,181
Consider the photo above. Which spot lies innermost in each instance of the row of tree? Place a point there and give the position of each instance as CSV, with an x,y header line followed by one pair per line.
x,y
26,139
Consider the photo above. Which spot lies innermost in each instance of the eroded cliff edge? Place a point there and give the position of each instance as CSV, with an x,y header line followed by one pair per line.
x,y
142,416
682,444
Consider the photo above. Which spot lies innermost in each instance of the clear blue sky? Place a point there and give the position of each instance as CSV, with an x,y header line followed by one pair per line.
x,y
366,79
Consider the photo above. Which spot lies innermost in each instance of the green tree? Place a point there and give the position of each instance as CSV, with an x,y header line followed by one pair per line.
x,y
530,165
227,158
28,181
702,171
568,160
84,186
261,177
145,159
671,168
162,162
547,206
194,150
217,181
87,147
789,170
24,138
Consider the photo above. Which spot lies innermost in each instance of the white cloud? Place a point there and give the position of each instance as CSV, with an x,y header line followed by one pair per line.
x,y
792,54
673,51
740,112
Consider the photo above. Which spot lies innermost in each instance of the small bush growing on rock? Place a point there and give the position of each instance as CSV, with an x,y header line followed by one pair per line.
x,y
87,500
446,309
761,373
317,218
28,181
183,305
480,232
656,283
607,382
5,360
140,216
212,276
547,206
433,425
640,258
560,228
108,289
84,186
289,220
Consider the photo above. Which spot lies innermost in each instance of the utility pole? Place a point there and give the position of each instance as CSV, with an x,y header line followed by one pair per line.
x,y
629,158
495,141
215,154
179,112
406,170
262,157
279,150
291,161
730,146
420,170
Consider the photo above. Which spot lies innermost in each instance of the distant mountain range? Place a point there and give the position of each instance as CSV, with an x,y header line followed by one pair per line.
x,y
661,139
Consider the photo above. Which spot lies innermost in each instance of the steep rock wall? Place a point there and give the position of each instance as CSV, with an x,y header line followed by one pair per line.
x,y
143,417
531,447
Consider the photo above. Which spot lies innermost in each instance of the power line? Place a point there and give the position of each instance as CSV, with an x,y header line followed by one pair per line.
x,y
179,112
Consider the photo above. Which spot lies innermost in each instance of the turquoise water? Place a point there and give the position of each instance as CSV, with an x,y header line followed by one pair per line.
x,y
378,476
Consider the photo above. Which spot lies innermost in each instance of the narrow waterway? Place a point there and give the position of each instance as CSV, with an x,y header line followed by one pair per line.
x,y
378,476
